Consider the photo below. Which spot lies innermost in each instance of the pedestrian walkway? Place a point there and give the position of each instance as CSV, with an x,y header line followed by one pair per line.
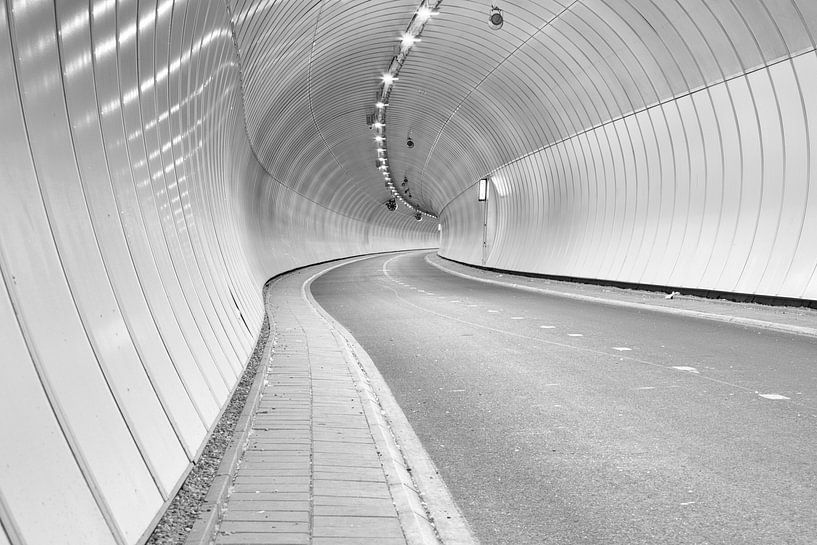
x,y
319,463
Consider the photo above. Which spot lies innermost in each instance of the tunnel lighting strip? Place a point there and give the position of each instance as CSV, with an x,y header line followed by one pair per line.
x,y
408,40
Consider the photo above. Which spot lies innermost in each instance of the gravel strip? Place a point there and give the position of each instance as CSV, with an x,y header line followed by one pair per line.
x,y
183,511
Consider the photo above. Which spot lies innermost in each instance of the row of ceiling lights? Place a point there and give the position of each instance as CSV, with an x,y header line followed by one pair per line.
x,y
407,40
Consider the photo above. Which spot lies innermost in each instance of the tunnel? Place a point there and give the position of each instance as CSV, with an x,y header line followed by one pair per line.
x,y
162,159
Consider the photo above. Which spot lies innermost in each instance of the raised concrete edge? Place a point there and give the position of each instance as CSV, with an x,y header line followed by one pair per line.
x,y
206,525
425,507
738,320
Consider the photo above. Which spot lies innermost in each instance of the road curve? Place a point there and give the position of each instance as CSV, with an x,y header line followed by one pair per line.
x,y
562,421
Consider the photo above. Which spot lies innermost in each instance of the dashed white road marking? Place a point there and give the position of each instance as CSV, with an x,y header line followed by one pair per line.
x,y
575,335
776,397
685,368
547,327
454,301
472,306
646,388
493,311
517,317
622,348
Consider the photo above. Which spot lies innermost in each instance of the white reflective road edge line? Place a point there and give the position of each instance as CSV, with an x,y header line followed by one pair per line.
x,y
748,322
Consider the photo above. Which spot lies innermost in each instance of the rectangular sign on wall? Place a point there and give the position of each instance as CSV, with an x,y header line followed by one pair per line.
x,y
483,189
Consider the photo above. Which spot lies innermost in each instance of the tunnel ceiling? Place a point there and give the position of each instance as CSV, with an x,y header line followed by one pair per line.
x,y
473,98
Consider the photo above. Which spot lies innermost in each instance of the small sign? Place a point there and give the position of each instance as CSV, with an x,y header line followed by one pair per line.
x,y
483,189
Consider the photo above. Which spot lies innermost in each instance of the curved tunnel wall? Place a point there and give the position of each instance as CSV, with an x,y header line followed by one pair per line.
x,y
138,227
677,149
153,178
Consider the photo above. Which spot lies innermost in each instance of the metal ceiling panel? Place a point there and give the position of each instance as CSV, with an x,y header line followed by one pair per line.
x,y
162,159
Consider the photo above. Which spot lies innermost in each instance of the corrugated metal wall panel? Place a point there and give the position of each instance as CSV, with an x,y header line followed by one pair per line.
x,y
138,230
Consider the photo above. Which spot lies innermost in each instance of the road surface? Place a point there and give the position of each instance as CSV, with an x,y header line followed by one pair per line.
x,y
561,421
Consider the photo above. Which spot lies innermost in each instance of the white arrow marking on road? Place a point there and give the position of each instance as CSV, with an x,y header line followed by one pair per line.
x,y
687,369
774,396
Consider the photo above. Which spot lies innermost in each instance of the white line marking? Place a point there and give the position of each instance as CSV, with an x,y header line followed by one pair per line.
x,y
493,311
547,327
622,348
517,317
472,306
657,365
456,391
687,503
454,301
684,368
775,397
646,388
575,335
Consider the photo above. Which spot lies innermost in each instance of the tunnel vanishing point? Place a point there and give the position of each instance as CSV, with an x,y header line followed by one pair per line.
x,y
160,160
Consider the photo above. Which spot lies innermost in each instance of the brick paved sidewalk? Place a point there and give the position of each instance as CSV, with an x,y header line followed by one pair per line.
x,y
318,466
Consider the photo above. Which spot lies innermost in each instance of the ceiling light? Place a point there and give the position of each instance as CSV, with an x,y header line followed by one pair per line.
x,y
496,20
378,138
408,40
378,125
388,79
381,104
424,14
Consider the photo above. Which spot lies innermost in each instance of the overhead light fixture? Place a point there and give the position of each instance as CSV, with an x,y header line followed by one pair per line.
x,y
424,13
381,104
408,39
496,20
378,138
378,125
388,79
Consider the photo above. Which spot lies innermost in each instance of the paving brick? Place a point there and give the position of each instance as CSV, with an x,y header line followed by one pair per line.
x,y
259,526
263,539
311,473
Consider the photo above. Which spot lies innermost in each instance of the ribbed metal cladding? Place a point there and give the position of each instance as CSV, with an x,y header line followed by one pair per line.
x,y
137,227
162,159
640,141
312,70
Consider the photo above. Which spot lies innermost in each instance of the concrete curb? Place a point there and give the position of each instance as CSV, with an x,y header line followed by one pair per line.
x,y
737,320
206,526
425,507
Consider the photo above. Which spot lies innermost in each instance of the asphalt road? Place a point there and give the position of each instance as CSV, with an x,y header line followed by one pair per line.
x,y
561,421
